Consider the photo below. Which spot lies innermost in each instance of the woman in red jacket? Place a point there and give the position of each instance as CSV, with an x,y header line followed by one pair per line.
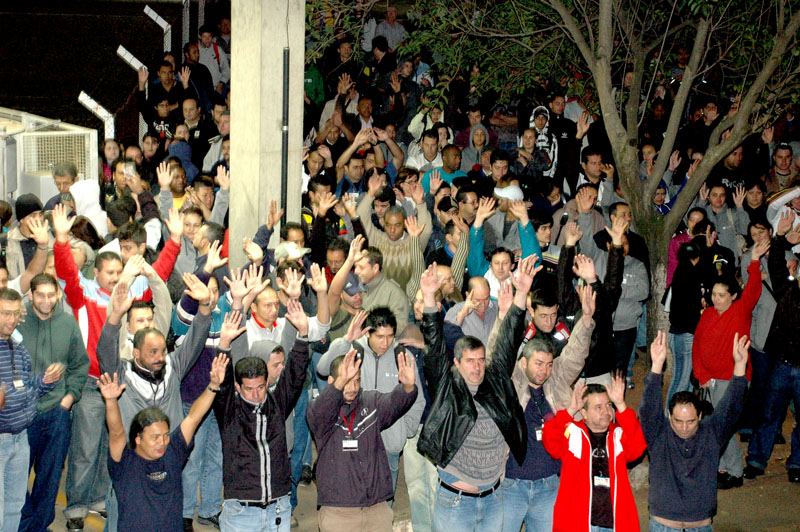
x,y
711,361
594,493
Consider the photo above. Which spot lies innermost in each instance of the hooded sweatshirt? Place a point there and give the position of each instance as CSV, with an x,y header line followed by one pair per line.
x,y
56,339
545,141
87,203
472,155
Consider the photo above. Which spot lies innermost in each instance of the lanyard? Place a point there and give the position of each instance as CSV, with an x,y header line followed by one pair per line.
x,y
350,423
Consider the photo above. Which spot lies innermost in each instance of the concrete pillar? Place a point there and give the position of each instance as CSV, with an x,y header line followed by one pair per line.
x,y
261,30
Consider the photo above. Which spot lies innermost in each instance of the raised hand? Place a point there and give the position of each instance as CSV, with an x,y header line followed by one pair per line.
x,y
39,228
134,183
356,328
690,172
583,125
405,371
53,373
217,374
767,135
119,297
292,283
318,281
574,234
608,170
703,189
576,403
223,178
374,184
430,281
61,223
175,225
658,351
504,298
253,251
394,82
520,211
738,196
585,200
142,76
350,201
230,328
326,203
349,370
588,298
460,224
584,268
619,227
526,271
616,392
413,227
297,317
355,249
741,350
675,160
164,175
196,289
110,388
417,193
435,181
255,281
785,222
237,285
274,215
760,249
134,267
486,208
186,73
214,259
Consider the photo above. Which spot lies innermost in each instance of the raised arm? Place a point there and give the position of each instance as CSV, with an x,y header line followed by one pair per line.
x,y
39,228
108,344
340,279
64,261
202,404
651,410
110,389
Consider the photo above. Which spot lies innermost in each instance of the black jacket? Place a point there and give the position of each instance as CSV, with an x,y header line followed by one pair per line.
x,y
453,413
601,350
783,341
247,444
687,299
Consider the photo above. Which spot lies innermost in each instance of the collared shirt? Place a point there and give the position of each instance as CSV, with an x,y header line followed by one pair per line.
x,y
21,388
473,324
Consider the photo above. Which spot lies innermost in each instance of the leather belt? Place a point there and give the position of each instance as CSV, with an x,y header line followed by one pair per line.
x,y
479,495
256,504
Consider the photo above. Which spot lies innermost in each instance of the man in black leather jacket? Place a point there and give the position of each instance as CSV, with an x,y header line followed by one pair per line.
x,y
475,415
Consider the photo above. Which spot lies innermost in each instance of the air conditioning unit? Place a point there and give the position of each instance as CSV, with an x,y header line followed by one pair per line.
x,y
31,145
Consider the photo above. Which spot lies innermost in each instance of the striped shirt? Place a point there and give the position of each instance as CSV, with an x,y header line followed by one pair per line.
x,y
20,406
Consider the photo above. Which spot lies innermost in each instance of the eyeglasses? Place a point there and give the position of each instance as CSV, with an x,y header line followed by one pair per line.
x,y
471,202
10,313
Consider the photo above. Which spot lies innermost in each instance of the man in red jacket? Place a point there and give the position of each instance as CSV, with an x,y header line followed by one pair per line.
x,y
712,364
595,494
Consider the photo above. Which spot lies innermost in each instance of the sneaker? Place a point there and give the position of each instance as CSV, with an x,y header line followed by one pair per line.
x,y
794,475
213,520
187,525
751,471
294,523
307,476
75,525
728,481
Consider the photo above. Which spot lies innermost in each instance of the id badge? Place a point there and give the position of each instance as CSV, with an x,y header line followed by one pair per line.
x,y
350,445
538,433
19,384
602,482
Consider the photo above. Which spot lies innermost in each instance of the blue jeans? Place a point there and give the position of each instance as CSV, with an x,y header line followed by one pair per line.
x,y
784,386
204,466
531,501
753,409
238,518
87,462
730,459
301,437
457,513
594,528
321,382
421,481
655,526
48,438
681,347
14,456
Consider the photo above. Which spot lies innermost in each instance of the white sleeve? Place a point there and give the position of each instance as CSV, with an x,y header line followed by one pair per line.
x,y
153,230
317,330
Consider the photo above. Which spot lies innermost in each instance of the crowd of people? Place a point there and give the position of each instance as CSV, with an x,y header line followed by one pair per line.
x,y
464,292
